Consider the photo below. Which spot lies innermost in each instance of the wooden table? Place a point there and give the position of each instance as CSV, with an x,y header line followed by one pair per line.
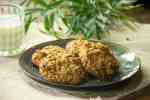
x,y
13,84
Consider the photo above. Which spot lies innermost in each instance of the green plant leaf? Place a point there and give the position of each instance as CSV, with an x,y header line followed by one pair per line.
x,y
48,22
28,21
25,2
30,11
87,17
55,4
88,35
41,3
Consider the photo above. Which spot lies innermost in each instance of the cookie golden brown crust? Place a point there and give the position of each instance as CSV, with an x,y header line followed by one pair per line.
x,y
96,58
57,65
41,53
36,57
63,68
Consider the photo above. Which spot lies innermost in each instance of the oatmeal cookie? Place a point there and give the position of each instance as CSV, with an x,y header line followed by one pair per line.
x,y
62,68
39,54
97,58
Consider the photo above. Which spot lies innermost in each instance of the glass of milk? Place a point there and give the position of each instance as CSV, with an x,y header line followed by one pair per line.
x,y
11,29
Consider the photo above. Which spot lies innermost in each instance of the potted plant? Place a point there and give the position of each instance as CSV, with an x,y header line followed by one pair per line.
x,y
90,18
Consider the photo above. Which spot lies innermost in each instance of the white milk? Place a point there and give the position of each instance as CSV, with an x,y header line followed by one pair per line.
x,y
11,32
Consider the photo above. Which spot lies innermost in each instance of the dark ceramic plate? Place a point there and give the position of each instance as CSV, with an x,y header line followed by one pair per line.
x,y
129,66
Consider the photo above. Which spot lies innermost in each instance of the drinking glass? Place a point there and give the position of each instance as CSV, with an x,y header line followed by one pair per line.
x,y
11,29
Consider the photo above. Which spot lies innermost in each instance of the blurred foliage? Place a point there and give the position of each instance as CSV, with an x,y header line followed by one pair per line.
x,y
87,17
